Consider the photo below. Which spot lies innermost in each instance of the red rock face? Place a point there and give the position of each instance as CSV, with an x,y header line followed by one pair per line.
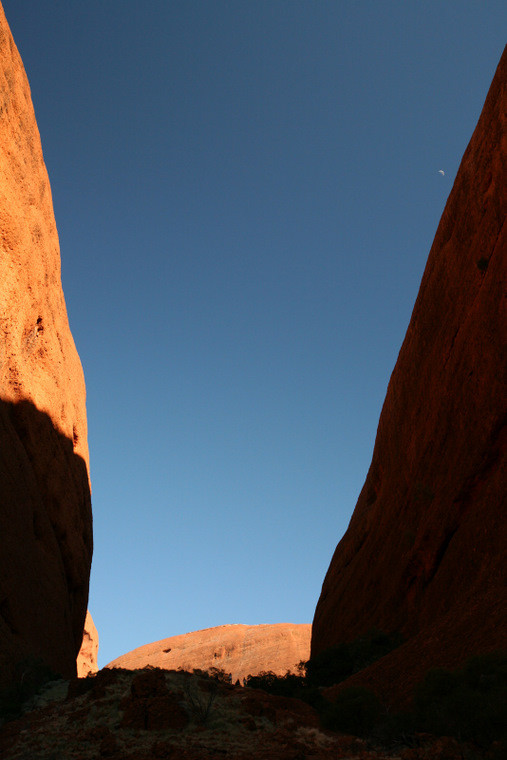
x,y
45,512
425,549
87,657
241,650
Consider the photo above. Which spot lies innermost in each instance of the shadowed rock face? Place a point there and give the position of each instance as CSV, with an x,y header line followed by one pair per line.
x,y
45,512
241,650
425,549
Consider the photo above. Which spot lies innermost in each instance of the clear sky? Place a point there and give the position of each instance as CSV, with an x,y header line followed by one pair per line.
x,y
246,192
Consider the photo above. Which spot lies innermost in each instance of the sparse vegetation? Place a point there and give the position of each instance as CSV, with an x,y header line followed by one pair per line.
x,y
336,664
30,676
467,708
354,711
199,703
202,691
216,674
469,704
330,667
289,685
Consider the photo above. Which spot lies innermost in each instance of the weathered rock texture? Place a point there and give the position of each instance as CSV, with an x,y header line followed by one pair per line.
x,y
45,512
425,549
87,657
241,650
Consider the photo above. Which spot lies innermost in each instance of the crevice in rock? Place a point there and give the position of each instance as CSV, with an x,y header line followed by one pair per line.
x,y
7,616
472,304
440,553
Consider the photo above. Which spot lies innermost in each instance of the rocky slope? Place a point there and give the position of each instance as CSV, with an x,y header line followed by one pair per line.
x,y
241,650
45,515
157,715
87,657
424,553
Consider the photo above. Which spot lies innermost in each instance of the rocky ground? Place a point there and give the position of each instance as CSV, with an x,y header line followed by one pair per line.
x,y
156,714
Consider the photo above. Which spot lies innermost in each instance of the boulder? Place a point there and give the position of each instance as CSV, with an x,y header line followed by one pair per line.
x,y
241,650
45,507
424,553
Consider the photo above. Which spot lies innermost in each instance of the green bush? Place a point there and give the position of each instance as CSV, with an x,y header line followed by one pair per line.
x,y
395,729
214,674
329,667
289,685
201,701
469,703
326,669
354,711
338,663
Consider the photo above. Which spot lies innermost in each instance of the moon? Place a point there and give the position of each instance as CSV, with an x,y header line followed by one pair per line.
x,y
441,171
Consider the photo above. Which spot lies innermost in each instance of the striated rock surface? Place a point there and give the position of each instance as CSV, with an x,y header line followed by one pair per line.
x,y
424,553
87,657
45,510
241,650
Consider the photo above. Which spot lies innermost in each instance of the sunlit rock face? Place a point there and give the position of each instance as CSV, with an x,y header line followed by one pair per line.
x,y
87,657
45,511
424,553
241,650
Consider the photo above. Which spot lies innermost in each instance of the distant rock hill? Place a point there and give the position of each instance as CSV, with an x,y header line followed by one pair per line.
x,y
241,650
45,507
425,551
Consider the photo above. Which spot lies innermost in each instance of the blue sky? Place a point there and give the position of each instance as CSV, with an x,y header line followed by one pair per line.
x,y
246,193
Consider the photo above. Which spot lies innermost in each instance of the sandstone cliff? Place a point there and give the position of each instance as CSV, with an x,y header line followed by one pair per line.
x,y
241,650
87,657
45,511
424,553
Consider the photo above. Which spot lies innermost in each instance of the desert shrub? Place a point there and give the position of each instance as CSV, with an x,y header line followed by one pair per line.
x,y
200,696
201,689
30,676
328,668
469,703
354,711
393,729
220,675
213,674
338,663
289,685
